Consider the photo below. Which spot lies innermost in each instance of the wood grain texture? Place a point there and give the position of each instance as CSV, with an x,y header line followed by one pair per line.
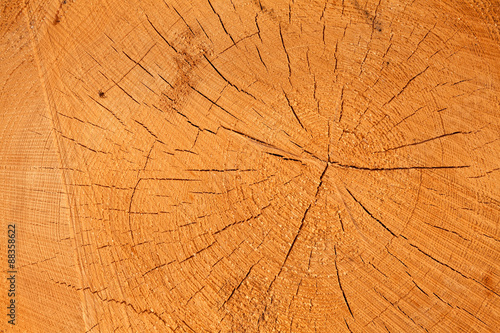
x,y
252,166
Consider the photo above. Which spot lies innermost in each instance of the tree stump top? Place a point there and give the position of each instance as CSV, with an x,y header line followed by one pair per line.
x,y
252,166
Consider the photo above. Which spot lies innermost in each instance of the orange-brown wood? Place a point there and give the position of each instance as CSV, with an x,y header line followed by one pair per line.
x,y
250,166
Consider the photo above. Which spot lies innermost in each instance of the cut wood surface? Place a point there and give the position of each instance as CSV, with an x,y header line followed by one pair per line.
x,y
251,166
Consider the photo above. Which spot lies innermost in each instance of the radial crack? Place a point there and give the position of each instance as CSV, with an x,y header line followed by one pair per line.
x,y
293,111
373,217
340,284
